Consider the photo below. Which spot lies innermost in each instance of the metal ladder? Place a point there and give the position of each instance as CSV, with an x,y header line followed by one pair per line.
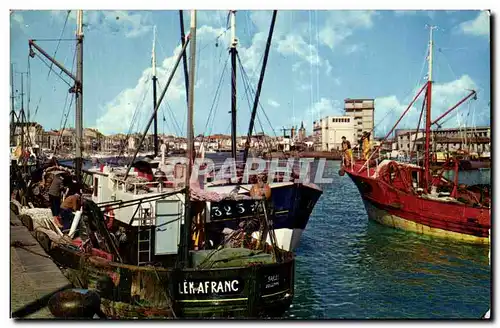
x,y
144,234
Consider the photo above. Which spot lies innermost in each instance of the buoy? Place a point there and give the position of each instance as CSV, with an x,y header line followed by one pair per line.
x,y
75,303
27,221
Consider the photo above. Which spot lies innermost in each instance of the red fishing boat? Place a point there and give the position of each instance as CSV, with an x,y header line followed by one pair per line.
x,y
414,198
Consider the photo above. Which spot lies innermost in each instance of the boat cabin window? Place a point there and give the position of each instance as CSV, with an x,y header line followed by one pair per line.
x,y
414,179
96,183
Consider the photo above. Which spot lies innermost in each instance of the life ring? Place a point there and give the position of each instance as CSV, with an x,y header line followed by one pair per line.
x,y
109,217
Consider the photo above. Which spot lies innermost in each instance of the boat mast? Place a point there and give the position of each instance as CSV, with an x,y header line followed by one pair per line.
x,y
12,110
259,87
234,53
186,242
162,95
22,117
79,95
184,56
155,124
428,112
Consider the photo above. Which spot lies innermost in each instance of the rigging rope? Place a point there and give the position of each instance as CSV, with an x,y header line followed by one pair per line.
x,y
29,88
59,42
171,112
247,91
216,98
58,74
417,86
173,119
134,119
260,104
65,116
58,143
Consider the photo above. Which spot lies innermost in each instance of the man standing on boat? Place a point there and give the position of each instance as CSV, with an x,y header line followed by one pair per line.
x,y
365,139
260,189
70,205
346,148
55,190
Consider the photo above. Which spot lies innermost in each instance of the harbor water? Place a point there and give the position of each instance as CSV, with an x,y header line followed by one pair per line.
x,y
349,267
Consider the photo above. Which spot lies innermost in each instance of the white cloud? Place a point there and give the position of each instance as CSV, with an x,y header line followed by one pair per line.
x,y
294,44
480,26
124,104
273,103
132,24
287,40
303,86
119,112
429,13
341,24
405,12
251,56
388,109
208,17
325,107
352,48
17,19
296,66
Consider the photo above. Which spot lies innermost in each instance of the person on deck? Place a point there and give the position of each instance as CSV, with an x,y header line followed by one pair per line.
x,y
70,205
55,190
346,148
260,189
366,145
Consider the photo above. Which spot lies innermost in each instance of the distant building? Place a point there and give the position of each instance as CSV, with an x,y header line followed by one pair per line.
x,y
477,139
302,132
50,139
328,132
31,131
363,112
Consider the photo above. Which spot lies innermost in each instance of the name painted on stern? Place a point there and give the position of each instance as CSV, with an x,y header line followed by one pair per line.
x,y
272,281
210,287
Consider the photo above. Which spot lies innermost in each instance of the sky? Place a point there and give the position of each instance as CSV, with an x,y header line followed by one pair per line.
x,y
317,59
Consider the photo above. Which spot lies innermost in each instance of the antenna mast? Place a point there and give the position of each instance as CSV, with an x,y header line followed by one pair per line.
x,y
428,111
155,123
12,110
78,89
186,241
22,121
234,53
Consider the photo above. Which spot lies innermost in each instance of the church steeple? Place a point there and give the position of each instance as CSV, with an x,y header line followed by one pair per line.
x,y
302,131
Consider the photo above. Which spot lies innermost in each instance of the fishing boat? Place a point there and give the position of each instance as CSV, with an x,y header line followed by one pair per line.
x,y
293,202
415,198
173,263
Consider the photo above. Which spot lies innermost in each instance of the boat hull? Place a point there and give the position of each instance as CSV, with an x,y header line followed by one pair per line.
x,y
293,204
385,217
395,208
126,291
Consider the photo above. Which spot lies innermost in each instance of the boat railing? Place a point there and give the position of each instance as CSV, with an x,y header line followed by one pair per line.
x,y
124,185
